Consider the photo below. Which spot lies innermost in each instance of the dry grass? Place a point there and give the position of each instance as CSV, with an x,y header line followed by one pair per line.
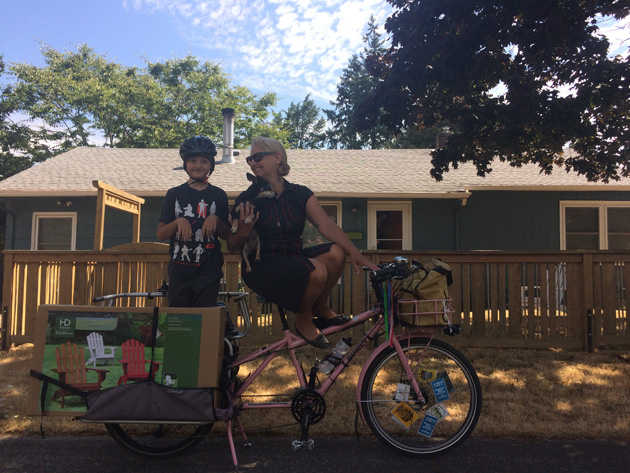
x,y
533,394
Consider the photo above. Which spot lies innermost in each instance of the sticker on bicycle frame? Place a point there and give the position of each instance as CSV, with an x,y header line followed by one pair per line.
x,y
444,375
440,390
402,392
404,414
428,375
438,411
427,426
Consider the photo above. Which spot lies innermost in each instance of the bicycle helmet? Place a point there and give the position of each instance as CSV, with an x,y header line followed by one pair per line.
x,y
198,145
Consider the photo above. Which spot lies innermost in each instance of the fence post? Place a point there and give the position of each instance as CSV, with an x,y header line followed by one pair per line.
x,y
3,330
588,298
589,331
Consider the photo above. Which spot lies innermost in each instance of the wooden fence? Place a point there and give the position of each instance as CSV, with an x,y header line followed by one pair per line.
x,y
501,299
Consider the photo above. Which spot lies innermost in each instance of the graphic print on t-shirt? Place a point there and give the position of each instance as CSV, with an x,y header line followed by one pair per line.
x,y
195,251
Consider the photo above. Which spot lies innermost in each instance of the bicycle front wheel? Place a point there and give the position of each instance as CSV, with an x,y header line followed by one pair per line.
x,y
158,440
452,398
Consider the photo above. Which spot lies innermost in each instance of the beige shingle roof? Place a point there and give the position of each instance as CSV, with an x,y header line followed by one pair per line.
x,y
369,173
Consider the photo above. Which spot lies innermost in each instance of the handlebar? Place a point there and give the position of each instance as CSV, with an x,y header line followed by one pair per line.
x,y
397,269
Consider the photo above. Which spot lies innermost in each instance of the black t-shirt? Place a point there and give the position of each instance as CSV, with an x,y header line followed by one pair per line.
x,y
281,221
195,205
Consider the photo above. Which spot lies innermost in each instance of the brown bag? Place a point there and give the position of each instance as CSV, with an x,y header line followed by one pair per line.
x,y
148,401
422,297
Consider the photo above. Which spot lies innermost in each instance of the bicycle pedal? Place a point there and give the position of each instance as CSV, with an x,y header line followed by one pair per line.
x,y
297,444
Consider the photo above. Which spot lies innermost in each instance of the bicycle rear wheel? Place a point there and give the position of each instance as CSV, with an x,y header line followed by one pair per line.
x,y
407,425
158,440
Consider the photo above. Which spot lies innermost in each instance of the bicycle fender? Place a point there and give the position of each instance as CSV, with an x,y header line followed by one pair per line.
x,y
377,351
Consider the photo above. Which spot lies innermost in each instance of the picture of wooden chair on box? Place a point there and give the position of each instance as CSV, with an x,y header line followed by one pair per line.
x,y
73,372
135,364
99,352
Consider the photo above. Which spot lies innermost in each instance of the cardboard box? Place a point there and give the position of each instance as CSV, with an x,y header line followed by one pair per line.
x,y
188,348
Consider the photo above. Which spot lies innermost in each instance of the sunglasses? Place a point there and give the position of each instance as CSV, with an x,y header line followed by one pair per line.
x,y
257,157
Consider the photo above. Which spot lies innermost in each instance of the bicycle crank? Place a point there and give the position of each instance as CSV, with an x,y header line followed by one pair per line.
x,y
308,405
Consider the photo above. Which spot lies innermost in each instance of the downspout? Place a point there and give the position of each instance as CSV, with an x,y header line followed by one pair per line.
x,y
10,223
458,223
228,136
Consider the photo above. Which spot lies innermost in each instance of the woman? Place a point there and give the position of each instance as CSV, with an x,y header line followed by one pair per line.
x,y
299,280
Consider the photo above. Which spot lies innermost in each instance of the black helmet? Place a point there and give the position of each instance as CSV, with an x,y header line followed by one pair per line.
x,y
198,145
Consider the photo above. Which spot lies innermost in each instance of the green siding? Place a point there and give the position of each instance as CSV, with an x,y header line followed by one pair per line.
x,y
490,220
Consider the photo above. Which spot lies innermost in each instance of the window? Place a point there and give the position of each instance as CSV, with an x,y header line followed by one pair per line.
x,y
54,231
311,235
595,225
389,226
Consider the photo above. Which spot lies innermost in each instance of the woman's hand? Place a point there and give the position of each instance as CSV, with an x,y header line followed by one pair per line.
x,y
358,260
247,216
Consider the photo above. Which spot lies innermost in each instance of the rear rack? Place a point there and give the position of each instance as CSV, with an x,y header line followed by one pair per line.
x,y
237,296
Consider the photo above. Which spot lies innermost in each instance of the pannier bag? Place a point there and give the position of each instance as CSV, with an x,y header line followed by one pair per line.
x,y
422,297
143,402
148,401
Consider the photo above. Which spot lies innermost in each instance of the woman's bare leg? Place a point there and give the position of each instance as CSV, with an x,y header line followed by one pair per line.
x,y
334,261
317,280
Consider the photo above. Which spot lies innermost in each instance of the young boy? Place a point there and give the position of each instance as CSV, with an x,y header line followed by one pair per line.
x,y
194,216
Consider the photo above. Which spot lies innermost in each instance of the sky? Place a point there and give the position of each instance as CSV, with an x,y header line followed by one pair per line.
x,y
289,47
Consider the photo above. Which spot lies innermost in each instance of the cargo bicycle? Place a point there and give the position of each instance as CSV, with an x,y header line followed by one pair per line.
x,y
418,395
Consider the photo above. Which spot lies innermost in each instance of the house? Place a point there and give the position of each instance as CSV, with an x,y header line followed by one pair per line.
x,y
383,199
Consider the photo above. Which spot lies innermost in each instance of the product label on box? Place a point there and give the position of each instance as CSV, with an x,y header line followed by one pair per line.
x,y
181,350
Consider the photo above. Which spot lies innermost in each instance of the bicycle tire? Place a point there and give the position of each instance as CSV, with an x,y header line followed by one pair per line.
x,y
463,406
158,440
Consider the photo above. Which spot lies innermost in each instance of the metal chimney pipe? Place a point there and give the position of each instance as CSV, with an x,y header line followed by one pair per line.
x,y
228,135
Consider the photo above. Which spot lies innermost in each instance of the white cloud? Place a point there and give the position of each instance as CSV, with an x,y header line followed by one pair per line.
x,y
291,47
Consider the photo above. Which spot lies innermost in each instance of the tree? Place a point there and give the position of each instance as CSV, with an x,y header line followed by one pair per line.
x,y
355,87
80,97
303,124
515,81
21,145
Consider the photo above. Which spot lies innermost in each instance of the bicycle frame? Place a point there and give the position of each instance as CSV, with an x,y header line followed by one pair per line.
x,y
308,394
291,342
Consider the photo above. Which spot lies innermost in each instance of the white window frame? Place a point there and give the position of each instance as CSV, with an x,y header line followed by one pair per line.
x,y
602,215
404,207
35,226
328,203
334,203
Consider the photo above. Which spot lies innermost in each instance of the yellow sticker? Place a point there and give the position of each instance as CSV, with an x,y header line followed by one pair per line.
x,y
404,414
428,375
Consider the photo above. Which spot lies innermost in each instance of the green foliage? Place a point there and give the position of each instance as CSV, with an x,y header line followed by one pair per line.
x,y
20,145
355,88
79,95
303,125
515,81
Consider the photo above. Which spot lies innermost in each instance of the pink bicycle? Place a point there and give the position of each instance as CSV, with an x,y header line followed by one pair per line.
x,y
418,394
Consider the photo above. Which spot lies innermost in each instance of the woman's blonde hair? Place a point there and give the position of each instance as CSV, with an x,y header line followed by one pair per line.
x,y
270,144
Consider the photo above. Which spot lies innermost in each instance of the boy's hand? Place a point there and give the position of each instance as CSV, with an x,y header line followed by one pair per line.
x,y
184,230
209,225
